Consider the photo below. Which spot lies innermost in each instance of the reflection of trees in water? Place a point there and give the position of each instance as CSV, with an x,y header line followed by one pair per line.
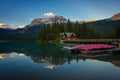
x,y
54,54
50,53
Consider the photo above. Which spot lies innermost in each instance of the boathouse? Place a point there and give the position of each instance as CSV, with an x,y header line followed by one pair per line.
x,y
68,36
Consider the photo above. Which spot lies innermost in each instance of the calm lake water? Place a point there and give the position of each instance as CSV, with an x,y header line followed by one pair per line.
x,y
32,61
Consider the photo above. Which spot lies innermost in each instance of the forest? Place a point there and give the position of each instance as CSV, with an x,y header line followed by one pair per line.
x,y
51,32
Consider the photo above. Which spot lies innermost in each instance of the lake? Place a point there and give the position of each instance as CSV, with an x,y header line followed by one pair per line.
x,y
32,61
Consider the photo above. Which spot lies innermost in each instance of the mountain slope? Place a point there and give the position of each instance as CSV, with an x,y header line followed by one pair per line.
x,y
105,25
48,20
115,17
29,32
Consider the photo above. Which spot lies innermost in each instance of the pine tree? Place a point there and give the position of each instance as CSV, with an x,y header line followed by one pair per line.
x,y
69,26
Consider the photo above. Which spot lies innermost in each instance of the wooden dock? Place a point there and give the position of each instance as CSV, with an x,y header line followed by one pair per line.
x,y
87,41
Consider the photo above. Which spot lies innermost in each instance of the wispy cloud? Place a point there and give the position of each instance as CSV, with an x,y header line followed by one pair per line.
x,y
5,26
1,24
49,14
30,19
21,26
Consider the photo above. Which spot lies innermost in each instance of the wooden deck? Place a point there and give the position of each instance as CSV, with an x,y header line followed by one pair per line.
x,y
111,41
94,52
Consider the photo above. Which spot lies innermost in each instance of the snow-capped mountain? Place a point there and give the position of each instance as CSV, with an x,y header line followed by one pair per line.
x,y
48,20
31,31
4,26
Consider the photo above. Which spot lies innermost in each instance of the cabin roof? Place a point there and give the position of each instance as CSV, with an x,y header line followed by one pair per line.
x,y
68,34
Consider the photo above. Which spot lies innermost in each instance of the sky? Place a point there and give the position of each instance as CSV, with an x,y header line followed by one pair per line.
x,y
22,12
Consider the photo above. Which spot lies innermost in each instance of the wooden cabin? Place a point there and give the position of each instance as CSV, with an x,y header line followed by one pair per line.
x,y
68,36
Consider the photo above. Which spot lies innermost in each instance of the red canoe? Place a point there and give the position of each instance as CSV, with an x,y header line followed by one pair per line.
x,y
90,47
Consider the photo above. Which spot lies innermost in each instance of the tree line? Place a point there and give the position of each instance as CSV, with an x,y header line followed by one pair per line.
x,y
51,32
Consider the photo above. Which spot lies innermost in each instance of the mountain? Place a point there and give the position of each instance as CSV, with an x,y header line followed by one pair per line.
x,y
115,17
30,32
3,26
27,33
48,20
106,25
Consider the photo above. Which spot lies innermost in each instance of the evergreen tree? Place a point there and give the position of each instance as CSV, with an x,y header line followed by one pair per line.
x,y
117,32
69,26
82,31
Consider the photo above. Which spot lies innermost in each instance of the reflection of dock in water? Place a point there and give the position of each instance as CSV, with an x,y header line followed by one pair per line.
x,y
93,41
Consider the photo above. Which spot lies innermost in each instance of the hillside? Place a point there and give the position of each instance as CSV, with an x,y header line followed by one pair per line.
x,y
31,31
105,25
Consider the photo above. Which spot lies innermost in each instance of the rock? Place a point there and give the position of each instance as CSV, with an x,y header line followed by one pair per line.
x,y
115,17
48,20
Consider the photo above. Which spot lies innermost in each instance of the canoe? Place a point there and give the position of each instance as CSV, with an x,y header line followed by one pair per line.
x,y
92,48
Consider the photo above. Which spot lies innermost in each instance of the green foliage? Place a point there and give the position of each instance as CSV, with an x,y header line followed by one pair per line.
x,y
117,32
69,26
51,33
57,40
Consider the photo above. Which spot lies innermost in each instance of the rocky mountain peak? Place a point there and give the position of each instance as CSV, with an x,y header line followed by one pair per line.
x,y
48,20
115,17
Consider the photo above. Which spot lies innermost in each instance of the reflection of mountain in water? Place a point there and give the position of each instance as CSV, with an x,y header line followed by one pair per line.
x,y
116,63
48,53
12,54
52,53
43,53
114,59
20,47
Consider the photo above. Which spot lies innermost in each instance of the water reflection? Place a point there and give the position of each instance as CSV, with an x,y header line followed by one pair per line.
x,y
93,60
48,53
10,55
32,61
49,66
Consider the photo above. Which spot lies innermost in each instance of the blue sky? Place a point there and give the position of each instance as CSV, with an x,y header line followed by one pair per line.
x,y
22,12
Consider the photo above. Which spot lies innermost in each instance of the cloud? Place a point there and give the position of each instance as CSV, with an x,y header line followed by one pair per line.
x,y
49,14
6,26
10,26
30,19
21,26
93,20
1,24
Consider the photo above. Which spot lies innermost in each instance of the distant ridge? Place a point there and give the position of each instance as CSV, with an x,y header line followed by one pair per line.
x,y
115,17
31,31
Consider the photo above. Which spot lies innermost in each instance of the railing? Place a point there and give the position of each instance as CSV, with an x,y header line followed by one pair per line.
x,y
92,41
